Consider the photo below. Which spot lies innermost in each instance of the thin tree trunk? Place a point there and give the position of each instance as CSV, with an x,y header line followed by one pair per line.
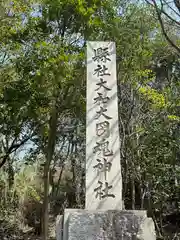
x,y
49,156
10,173
133,191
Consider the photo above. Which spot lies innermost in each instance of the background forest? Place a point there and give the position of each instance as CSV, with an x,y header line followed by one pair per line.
x,y
43,109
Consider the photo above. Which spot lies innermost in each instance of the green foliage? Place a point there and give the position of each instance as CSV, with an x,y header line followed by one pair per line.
x,y
157,99
174,118
27,183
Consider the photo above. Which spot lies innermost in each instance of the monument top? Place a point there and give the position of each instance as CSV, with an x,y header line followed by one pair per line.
x,y
103,169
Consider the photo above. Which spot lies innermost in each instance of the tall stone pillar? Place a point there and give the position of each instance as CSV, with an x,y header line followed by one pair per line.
x,y
103,217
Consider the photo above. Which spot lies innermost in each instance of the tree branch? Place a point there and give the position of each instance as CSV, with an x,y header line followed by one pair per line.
x,y
171,7
159,11
177,4
165,13
12,149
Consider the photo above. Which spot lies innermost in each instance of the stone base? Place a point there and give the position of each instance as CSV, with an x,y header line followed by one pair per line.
x,y
79,224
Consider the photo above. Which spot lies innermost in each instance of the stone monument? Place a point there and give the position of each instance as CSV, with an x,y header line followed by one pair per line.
x,y
103,168
103,217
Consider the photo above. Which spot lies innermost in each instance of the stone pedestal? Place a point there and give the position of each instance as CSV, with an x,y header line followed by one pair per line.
x,y
104,225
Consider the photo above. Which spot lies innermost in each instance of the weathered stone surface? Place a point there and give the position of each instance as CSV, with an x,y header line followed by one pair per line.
x,y
107,225
103,168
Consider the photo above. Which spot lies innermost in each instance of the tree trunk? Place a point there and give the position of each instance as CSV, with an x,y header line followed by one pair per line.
x,y
133,191
10,173
49,156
